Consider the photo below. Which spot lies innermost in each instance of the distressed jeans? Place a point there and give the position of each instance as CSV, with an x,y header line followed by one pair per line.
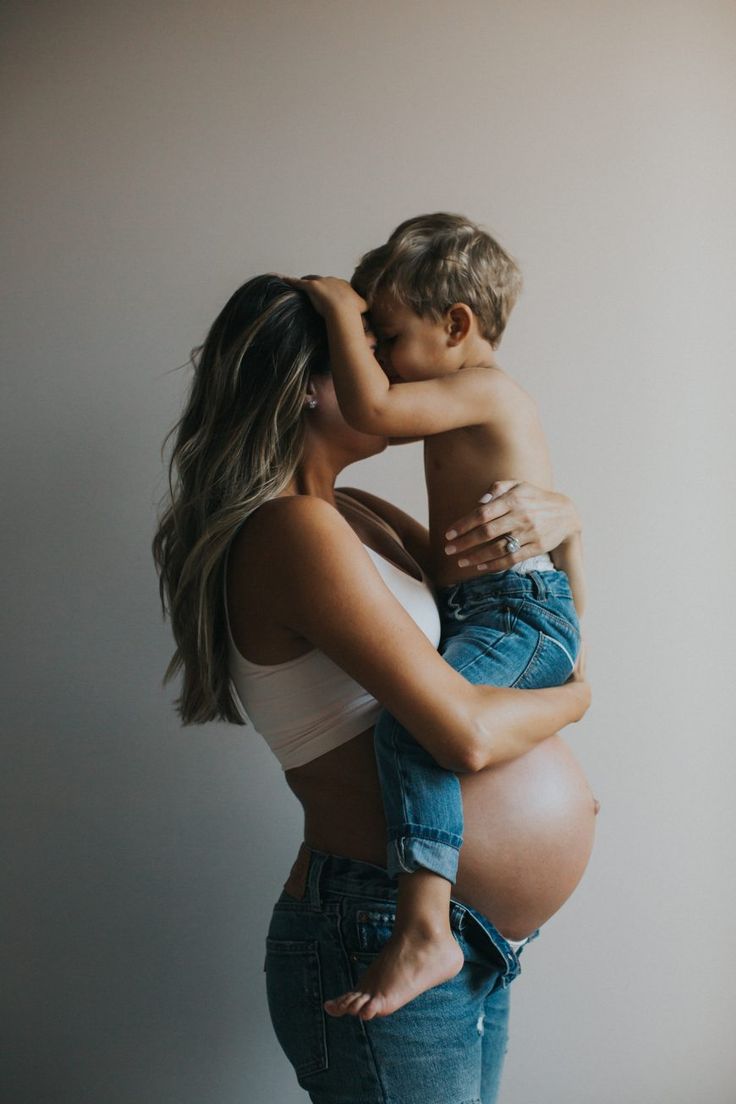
x,y
503,629
447,1046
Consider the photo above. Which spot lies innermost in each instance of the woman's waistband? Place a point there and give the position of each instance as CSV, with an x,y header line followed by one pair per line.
x,y
318,877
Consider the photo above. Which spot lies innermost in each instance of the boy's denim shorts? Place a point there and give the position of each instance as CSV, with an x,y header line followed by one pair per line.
x,y
445,1047
509,629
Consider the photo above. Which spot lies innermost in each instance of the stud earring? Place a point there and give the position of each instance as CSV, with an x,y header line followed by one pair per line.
x,y
311,404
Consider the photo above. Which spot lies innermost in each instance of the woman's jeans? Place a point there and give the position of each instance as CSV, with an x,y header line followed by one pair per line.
x,y
504,629
445,1047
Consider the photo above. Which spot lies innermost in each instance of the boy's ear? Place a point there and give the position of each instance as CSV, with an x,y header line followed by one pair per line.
x,y
458,322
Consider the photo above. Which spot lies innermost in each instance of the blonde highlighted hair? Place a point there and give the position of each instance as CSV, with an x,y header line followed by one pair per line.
x,y
237,444
432,262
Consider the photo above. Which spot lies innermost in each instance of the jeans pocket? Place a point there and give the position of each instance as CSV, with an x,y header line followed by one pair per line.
x,y
294,990
550,664
373,929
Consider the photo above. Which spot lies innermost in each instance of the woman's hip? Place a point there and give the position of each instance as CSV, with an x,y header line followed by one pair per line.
x,y
327,927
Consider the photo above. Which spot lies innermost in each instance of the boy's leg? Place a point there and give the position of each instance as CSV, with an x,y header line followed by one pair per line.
x,y
425,815
422,801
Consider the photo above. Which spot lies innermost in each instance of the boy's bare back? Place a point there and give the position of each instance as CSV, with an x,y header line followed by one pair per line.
x,y
461,464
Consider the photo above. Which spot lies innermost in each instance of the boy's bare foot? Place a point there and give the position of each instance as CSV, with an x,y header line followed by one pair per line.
x,y
410,963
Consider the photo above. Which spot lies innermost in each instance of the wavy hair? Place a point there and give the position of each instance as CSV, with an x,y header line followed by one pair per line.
x,y
237,444
433,261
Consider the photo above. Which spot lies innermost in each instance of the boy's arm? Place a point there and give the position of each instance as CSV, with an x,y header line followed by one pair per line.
x,y
368,399
568,557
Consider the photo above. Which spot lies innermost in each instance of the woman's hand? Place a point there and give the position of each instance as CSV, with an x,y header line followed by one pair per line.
x,y
579,671
539,520
581,688
328,294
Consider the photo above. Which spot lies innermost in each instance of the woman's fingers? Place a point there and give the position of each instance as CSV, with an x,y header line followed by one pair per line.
x,y
495,557
493,505
579,671
484,535
539,520
489,538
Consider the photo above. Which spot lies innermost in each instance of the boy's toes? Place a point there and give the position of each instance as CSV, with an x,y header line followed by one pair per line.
x,y
357,1004
347,1003
373,1007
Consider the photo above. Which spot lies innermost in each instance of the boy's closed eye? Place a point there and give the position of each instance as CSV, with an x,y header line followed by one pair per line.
x,y
369,333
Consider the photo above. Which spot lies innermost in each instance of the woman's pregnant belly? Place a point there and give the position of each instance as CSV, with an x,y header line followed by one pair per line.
x,y
529,826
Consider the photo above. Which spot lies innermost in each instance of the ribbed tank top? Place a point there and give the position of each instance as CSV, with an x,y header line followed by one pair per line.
x,y
307,706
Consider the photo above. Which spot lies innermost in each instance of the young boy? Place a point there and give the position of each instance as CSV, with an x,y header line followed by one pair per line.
x,y
440,292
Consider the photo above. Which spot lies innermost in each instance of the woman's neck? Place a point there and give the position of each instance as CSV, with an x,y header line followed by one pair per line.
x,y
315,478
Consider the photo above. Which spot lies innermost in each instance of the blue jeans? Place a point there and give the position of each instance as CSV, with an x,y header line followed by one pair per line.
x,y
503,629
445,1047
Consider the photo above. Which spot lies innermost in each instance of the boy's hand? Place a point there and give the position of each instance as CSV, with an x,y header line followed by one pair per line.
x,y
328,294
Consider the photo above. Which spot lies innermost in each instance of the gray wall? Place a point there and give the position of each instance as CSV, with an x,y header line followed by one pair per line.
x,y
157,155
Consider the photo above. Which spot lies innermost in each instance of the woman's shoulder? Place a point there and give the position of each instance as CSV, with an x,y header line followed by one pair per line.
x,y
288,550
288,532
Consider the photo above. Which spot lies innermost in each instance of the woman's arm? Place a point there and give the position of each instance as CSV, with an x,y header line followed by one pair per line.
x,y
568,557
546,520
324,587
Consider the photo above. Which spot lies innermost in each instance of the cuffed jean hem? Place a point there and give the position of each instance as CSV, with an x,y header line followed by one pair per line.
x,y
408,853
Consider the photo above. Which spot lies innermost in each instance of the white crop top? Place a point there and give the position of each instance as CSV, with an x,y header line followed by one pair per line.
x,y
308,705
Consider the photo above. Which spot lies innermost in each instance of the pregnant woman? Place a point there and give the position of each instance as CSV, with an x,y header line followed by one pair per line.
x,y
311,605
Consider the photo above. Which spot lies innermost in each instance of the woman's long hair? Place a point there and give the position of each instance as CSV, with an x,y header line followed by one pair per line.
x,y
238,443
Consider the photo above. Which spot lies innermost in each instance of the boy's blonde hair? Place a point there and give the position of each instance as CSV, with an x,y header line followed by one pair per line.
x,y
433,261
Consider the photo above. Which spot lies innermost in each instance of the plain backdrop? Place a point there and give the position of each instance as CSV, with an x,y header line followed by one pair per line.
x,y
157,155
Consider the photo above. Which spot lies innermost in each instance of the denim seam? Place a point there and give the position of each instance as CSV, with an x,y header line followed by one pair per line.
x,y
362,1023
376,1068
541,638
514,614
563,622
307,949
481,655
445,864
562,648
532,658
426,834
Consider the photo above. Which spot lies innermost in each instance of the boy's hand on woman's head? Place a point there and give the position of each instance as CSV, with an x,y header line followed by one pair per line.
x,y
328,293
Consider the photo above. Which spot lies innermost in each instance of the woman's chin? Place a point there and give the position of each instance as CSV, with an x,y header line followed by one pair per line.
x,y
374,444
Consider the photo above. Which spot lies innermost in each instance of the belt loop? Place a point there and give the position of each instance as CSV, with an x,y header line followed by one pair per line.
x,y
313,877
538,584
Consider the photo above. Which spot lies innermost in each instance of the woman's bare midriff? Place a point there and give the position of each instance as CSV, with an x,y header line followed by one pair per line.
x,y
529,826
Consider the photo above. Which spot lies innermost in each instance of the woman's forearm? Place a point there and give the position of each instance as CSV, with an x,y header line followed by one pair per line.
x,y
507,723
